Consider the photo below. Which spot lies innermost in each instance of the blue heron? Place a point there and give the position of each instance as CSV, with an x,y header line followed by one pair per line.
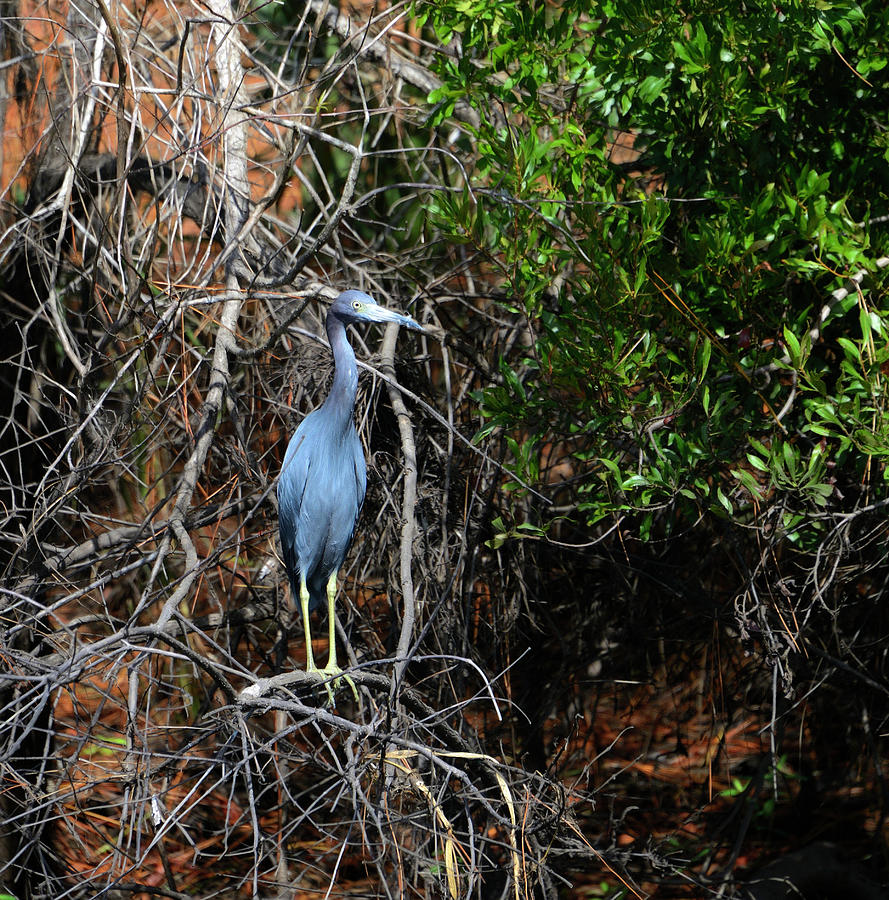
x,y
324,478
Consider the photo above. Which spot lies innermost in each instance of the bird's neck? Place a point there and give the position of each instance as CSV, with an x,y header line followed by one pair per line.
x,y
341,400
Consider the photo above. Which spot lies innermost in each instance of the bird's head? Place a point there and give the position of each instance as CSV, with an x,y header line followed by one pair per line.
x,y
356,306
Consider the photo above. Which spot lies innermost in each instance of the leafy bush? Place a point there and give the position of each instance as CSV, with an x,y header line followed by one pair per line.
x,y
685,348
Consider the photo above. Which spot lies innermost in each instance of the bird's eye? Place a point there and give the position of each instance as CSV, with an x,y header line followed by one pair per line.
x,y
356,304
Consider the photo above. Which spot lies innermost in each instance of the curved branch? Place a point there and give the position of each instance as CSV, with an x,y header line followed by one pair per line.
x,y
409,502
234,136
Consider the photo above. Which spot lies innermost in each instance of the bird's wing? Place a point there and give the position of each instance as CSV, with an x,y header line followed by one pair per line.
x,y
291,490
359,467
360,475
320,494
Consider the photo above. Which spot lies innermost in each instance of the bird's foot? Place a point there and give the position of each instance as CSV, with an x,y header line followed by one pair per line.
x,y
336,674
333,675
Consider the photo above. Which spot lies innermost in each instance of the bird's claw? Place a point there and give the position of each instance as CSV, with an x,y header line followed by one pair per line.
x,y
332,676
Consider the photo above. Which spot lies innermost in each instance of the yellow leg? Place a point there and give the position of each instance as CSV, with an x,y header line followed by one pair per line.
x,y
332,669
304,603
331,624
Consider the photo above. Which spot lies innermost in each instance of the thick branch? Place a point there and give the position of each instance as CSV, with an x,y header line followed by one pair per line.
x,y
409,502
234,135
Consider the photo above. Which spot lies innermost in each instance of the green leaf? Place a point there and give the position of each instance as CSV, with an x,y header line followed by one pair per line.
x,y
757,462
706,349
651,88
792,344
853,351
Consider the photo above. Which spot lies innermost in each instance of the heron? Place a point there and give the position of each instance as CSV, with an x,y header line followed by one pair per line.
x,y
324,478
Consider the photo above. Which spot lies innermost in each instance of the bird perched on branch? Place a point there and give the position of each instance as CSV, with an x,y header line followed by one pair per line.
x,y
324,478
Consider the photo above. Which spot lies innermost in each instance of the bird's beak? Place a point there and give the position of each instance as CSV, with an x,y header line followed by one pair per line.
x,y
382,314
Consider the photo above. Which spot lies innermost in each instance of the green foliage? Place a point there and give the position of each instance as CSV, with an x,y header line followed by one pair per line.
x,y
688,354
767,802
